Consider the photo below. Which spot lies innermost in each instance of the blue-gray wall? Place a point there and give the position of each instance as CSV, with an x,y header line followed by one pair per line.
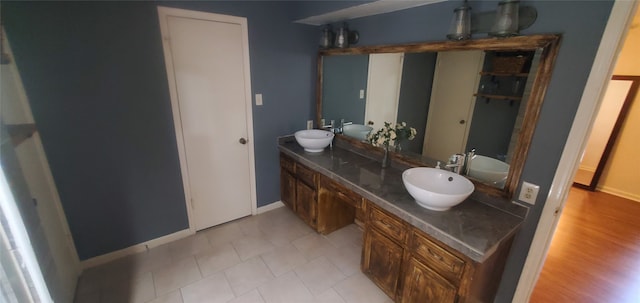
x,y
95,76
74,65
343,78
415,95
581,23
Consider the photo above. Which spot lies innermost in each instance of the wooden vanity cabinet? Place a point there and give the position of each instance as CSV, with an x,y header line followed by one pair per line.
x,y
431,273
298,185
406,263
383,249
322,203
337,206
287,182
423,284
410,266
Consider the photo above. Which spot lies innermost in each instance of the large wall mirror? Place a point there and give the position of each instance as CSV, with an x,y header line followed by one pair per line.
x,y
480,94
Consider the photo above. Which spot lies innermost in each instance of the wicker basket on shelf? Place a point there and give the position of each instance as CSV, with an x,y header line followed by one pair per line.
x,y
508,65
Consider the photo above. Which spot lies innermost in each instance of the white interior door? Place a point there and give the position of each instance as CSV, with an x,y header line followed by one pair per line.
x,y
208,60
383,88
455,81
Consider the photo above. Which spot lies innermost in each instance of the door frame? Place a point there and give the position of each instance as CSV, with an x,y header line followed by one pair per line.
x,y
163,13
617,26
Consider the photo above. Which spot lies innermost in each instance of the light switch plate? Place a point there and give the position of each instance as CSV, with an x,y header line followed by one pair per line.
x,y
528,193
258,99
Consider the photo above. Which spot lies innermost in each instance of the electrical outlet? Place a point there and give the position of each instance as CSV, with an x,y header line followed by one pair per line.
x,y
309,124
528,192
258,99
362,94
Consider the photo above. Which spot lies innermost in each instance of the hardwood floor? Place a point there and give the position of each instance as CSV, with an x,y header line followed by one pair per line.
x,y
595,252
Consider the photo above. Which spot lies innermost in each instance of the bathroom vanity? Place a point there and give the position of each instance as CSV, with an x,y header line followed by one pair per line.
x,y
413,254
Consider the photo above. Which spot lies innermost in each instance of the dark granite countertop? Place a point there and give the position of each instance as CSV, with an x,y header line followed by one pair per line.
x,y
473,228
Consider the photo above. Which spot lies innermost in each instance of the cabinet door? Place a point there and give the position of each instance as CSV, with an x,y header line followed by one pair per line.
x,y
306,203
421,284
382,259
287,188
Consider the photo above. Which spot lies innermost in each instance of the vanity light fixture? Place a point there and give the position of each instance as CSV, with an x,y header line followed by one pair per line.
x,y
326,40
345,37
506,22
460,28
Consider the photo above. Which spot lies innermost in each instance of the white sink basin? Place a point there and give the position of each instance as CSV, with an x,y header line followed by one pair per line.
x,y
357,131
488,170
313,140
436,189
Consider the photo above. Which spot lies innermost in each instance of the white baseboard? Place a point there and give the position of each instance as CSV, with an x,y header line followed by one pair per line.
x,y
620,193
268,207
99,260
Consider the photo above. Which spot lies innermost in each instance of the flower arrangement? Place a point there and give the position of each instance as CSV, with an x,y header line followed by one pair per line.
x,y
389,136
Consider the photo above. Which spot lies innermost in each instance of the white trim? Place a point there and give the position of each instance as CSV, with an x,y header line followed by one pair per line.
x,y
601,72
23,99
163,13
365,10
18,231
42,156
95,261
57,203
268,207
138,248
620,193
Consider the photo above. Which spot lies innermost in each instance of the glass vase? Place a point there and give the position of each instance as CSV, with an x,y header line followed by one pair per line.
x,y
385,158
398,146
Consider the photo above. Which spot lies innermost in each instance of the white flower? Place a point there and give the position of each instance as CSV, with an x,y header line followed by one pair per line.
x,y
389,135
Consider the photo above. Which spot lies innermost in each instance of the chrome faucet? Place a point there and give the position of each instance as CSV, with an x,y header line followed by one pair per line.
x,y
342,124
470,155
330,127
456,163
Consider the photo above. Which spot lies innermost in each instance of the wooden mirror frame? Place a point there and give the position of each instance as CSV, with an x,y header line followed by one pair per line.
x,y
548,44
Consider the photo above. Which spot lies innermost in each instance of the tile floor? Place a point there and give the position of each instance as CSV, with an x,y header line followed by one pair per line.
x,y
271,257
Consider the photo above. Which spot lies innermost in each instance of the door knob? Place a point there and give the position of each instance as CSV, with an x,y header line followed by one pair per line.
x,y
242,141
462,121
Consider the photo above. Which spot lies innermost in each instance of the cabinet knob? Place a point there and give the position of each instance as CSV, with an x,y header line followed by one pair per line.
x,y
242,141
462,122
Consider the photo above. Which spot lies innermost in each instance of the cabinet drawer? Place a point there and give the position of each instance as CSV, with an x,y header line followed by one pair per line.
x,y
306,175
388,224
344,194
444,262
287,163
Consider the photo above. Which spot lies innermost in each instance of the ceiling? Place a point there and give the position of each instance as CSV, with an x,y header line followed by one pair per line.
x,y
364,10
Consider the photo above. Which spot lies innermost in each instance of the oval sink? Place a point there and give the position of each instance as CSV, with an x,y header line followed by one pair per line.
x,y
436,189
488,170
357,131
313,140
